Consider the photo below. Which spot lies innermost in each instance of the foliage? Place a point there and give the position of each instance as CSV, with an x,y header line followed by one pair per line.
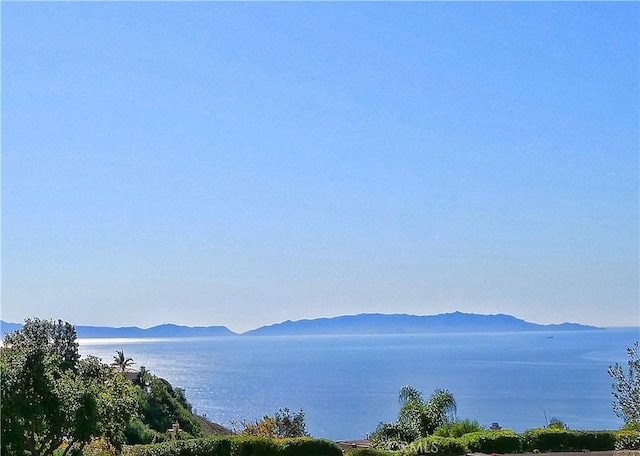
x,y
390,437
308,446
416,418
239,446
626,387
137,432
504,441
254,446
281,425
442,446
369,452
631,426
545,440
627,439
50,396
193,447
160,406
593,440
458,428
97,447
557,423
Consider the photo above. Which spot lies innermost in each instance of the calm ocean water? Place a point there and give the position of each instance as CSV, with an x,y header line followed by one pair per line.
x,y
347,384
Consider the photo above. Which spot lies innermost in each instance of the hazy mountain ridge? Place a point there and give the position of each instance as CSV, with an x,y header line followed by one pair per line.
x,y
374,323
408,324
165,330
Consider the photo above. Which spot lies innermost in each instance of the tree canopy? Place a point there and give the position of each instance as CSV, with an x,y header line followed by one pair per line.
x,y
50,396
626,387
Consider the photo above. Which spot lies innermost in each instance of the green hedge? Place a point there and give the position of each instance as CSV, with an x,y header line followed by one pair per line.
x,y
238,446
308,447
435,446
253,446
492,442
370,452
564,440
543,440
594,440
194,447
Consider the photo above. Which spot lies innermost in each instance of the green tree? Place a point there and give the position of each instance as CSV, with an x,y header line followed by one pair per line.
x,y
557,423
417,418
626,387
281,425
50,396
121,362
288,425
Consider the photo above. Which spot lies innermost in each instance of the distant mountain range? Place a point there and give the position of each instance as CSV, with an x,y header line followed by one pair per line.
x,y
408,324
166,330
456,322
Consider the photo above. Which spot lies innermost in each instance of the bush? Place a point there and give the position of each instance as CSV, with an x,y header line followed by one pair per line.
x,y
281,425
161,405
391,437
564,440
194,447
492,442
627,440
545,440
308,447
458,429
434,445
253,446
593,440
557,423
370,452
138,432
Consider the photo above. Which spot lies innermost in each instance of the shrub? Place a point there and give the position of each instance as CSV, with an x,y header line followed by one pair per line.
x,y
626,386
627,440
458,429
545,440
492,442
436,446
253,446
138,432
557,423
390,437
308,447
370,452
194,447
282,424
564,440
593,440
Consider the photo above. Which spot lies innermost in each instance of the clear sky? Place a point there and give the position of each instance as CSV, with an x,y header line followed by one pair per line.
x,y
241,164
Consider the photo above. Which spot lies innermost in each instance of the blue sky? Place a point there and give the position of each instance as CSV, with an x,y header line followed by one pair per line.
x,y
245,163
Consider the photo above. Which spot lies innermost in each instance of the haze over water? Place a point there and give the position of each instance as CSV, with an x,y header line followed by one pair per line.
x,y
347,384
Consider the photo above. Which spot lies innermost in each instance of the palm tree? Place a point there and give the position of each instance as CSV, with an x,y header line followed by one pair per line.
x,y
441,408
416,418
121,362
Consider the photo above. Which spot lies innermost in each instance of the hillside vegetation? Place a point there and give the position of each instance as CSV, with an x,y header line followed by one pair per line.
x,y
52,398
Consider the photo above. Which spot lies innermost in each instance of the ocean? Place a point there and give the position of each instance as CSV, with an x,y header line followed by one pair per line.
x,y
346,385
